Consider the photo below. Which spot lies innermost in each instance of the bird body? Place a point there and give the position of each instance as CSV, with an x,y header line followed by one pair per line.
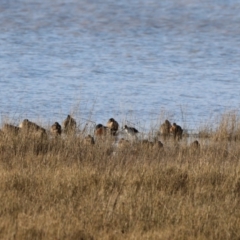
x,y
10,129
177,131
100,130
165,129
32,128
130,130
56,129
112,124
69,125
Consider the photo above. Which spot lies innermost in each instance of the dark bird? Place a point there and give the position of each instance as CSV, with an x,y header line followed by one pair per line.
x,y
69,125
130,130
100,130
56,129
177,131
112,124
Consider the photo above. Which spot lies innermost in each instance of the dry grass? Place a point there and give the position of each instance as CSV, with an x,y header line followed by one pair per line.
x,y
64,189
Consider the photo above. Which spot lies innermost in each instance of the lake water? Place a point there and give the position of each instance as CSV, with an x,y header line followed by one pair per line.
x,y
135,60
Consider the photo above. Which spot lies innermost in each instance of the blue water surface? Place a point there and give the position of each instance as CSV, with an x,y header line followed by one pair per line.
x,y
139,61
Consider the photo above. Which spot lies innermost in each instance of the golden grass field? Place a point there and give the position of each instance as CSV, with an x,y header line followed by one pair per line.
x,y
61,188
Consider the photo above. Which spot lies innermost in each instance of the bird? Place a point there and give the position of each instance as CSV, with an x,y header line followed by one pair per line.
x,y
10,129
33,129
69,125
130,130
100,130
165,129
56,129
177,131
112,124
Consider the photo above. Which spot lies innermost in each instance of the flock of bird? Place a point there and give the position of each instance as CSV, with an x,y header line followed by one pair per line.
x,y
111,129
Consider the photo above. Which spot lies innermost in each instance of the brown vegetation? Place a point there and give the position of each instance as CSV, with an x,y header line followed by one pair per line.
x,y
89,140
69,188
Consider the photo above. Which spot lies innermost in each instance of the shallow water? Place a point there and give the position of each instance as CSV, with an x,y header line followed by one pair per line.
x,y
145,60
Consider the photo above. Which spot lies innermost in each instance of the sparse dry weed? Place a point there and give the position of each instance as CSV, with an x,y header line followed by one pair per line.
x,y
62,188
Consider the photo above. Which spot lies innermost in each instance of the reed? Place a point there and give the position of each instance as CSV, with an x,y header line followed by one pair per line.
x,y
62,188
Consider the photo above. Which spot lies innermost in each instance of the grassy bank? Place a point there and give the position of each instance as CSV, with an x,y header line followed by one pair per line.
x,y
64,189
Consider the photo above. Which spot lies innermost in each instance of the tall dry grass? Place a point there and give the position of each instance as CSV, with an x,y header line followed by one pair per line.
x,y
61,188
